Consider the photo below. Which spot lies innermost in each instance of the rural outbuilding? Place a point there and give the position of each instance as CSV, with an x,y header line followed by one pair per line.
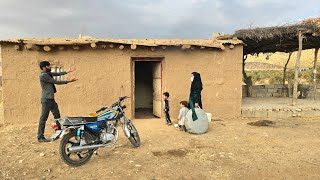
x,y
109,68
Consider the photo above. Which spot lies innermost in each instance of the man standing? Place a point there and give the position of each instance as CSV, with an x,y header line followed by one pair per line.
x,y
47,97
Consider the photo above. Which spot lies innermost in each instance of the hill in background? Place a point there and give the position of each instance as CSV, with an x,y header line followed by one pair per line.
x,y
307,58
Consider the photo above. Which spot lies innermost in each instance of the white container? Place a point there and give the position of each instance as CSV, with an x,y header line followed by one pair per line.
x,y
209,115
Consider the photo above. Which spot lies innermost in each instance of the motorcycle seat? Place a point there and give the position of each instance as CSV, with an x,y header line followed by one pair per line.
x,y
69,121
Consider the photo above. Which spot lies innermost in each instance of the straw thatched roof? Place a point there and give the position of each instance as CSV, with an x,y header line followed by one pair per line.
x,y
280,38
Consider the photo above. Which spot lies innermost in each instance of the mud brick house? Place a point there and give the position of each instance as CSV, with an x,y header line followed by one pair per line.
x,y
109,68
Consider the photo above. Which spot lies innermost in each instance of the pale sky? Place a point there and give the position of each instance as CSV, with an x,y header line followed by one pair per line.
x,y
187,19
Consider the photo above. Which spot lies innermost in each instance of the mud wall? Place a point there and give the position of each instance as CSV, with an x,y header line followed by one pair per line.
x,y
106,74
1,100
221,77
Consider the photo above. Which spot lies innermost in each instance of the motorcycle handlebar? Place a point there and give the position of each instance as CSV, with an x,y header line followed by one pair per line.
x,y
114,104
123,98
102,109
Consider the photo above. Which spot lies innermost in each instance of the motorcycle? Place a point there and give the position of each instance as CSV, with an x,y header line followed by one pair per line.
x,y
81,136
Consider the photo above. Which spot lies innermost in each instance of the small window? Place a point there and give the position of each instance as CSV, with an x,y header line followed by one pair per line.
x,y
57,70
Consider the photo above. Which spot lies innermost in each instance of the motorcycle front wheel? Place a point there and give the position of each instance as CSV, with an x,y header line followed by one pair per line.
x,y
134,135
76,158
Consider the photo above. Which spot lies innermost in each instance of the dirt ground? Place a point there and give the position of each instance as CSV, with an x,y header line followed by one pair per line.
x,y
231,149
278,103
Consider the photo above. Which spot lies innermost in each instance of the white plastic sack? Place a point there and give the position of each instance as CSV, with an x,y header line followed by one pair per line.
x,y
198,126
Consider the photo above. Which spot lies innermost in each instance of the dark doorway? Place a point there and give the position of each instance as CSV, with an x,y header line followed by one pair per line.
x,y
144,88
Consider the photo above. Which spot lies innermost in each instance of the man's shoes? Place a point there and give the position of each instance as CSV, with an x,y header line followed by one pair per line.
x,y
169,124
41,140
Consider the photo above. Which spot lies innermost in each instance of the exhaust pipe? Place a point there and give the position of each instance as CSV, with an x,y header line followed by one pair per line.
x,y
88,147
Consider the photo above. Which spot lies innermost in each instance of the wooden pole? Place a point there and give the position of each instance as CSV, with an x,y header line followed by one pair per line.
x,y
285,69
28,46
16,47
315,72
32,47
47,48
296,72
247,79
93,45
133,46
61,48
76,47
185,46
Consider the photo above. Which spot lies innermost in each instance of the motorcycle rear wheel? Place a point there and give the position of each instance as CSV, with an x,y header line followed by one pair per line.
x,y
77,158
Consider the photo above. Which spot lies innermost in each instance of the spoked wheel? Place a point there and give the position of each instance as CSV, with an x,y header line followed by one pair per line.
x,y
134,135
76,158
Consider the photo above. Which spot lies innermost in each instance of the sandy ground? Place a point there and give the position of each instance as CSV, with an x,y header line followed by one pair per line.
x,y
230,150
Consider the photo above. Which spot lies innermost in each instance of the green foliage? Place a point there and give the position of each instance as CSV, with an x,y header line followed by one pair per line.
x,y
290,76
276,77
306,75
256,76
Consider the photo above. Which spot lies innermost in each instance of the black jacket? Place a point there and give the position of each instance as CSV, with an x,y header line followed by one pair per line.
x,y
166,105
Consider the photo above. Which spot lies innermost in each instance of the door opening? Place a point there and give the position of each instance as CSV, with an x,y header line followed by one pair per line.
x,y
147,89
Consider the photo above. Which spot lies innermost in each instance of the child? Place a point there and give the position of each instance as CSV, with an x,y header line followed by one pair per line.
x,y
166,108
182,115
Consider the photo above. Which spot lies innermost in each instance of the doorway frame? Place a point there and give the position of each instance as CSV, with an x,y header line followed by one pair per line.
x,y
135,59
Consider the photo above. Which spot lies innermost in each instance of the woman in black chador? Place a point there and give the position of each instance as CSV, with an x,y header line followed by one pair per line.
x,y
195,94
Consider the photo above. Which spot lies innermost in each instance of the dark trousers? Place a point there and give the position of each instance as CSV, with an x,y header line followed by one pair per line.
x,y
167,116
47,106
